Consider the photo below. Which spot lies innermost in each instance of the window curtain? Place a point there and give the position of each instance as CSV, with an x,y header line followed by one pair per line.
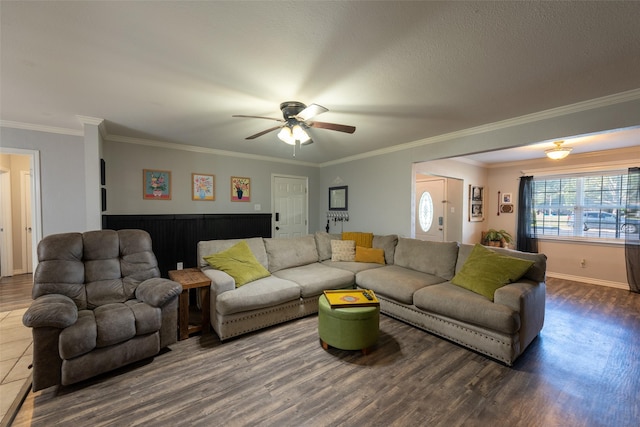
x,y
632,239
526,240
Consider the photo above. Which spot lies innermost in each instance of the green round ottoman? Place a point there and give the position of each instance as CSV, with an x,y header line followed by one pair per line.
x,y
353,328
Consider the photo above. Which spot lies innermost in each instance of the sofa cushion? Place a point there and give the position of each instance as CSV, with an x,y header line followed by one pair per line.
x,y
343,250
238,262
115,323
375,255
262,293
437,258
79,338
484,271
397,283
315,278
463,305
388,244
208,247
352,266
362,239
323,244
287,253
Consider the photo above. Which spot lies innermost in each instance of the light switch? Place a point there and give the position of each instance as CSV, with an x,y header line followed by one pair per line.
x,y
257,207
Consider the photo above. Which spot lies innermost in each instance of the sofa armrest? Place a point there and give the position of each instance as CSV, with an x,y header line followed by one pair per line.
x,y
158,291
220,281
527,297
51,310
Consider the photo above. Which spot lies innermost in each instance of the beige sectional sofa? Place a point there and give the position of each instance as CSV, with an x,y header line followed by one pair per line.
x,y
414,285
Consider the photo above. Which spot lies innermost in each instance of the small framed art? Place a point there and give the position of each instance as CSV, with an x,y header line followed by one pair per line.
x,y
156,184
240,189
476,203
203,187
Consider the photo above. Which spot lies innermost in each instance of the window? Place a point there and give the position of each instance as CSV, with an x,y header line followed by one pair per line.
x,y
583,206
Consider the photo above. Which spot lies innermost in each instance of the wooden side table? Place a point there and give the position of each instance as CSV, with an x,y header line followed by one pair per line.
x,y
191,278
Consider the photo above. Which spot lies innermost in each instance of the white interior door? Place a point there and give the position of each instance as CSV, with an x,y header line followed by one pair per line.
x,y
6,253
430,204
290,216
27,235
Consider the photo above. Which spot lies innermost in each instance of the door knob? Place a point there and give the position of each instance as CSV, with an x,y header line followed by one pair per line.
x,y
277,228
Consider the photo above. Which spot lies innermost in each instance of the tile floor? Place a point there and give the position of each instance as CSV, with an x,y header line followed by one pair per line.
x,y
16,352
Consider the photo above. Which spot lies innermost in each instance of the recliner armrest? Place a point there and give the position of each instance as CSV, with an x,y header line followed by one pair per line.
x,y
158,291
51,310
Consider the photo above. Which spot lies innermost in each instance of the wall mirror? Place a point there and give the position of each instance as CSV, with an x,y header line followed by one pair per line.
x,y
338,198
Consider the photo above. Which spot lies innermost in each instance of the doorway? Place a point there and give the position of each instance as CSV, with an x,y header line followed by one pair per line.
x,y
430,205
437,208
290,206
21,220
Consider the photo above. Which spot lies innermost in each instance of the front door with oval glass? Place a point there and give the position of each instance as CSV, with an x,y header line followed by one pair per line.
x,y
430,196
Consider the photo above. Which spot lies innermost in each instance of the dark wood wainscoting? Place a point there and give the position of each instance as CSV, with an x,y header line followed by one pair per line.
x,y
175,237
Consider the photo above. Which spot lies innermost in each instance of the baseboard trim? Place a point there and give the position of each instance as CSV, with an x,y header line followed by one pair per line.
x,y
590,280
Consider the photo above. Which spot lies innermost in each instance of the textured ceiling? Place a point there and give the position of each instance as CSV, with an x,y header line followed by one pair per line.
x,y
398,71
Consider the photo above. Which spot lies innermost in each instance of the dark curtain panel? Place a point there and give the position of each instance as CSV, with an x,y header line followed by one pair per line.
x,y
632,231
526,234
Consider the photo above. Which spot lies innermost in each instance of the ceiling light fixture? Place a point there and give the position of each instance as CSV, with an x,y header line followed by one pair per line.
x,y
558,152
291,134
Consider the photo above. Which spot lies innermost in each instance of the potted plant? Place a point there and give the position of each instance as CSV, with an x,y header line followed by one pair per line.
x,y
499,238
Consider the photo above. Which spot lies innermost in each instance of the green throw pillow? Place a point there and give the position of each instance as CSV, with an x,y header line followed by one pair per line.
x,y
484,271
238,262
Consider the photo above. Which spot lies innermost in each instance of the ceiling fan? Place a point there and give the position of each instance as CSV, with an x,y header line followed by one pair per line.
x,y
296,122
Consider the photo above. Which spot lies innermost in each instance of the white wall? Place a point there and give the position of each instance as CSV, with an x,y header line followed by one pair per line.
x,y
61,176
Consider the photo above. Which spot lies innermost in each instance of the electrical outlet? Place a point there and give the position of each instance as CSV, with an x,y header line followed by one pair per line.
x,y
257,207
583,263
180,266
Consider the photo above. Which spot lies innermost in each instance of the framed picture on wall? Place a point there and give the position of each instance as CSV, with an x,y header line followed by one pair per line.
x,y
203,187
156,184
240,189
476,203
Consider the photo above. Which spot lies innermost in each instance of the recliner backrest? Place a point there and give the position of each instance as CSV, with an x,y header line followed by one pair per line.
x,y
96,267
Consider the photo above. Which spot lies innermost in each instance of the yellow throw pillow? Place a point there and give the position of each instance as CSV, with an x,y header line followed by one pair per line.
x,y
362,239
369,255
343,250
238,262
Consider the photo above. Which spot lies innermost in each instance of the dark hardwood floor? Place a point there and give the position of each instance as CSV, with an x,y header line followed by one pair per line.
x,y
15,292
583,370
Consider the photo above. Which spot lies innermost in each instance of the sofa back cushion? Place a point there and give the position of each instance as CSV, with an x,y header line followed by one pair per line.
x,y
323,244
388,244
437,258
209,247
537,272
287,253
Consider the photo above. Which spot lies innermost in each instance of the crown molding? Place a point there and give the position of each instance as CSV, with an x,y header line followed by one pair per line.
x,y
41,128
605,101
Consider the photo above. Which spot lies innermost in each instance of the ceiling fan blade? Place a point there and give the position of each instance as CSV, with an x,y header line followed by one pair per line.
x,y
311,111
263,132
257,117
332,126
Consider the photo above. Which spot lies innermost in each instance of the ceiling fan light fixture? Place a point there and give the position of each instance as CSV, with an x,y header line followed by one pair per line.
x,y
299,134
286,136
559,152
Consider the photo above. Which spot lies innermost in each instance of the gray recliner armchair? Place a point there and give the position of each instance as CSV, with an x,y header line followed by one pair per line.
x,y
99,304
